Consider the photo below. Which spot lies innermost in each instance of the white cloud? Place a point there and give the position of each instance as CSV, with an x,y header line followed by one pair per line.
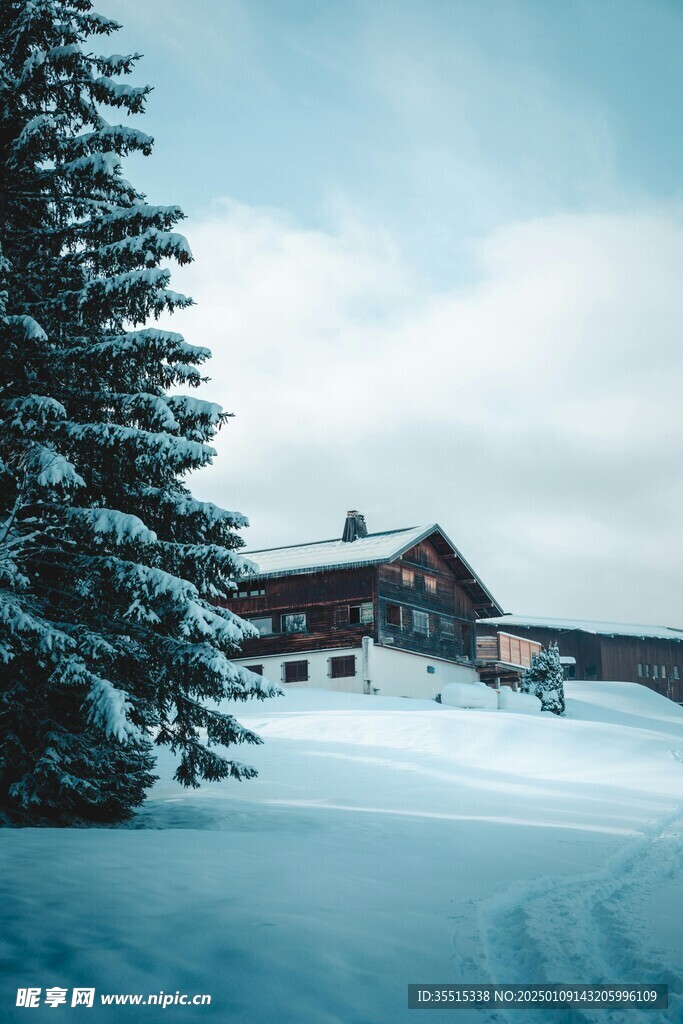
x,y
534,411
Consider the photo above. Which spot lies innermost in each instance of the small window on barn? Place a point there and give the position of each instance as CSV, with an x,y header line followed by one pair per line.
x,y
447,626
655,671
264,624
676,675
295,671
663,671
256,669
393,615
647,671
430,584
421,622
361,614
257,593
243,593
640,670
294,622
408,578
341,668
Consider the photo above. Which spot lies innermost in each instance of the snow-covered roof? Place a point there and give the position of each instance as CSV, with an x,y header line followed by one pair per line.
x,y
336,554
371,550
588,626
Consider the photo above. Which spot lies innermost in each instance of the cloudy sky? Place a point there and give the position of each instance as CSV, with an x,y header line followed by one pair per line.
x,y
438,249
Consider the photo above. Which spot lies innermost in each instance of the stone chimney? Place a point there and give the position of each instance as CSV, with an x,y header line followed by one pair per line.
x,y
354,527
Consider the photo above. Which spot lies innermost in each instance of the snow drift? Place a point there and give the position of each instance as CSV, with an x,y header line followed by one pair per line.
x,y
386,841
469,695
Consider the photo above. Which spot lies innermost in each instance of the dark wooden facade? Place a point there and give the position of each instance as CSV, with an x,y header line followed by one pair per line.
x,y
654,662
415,602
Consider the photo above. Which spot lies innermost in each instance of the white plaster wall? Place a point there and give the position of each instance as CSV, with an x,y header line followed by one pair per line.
x,y
390,672
317,668
396,673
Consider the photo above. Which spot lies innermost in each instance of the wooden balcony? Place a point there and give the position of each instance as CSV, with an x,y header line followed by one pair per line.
x,y
504,657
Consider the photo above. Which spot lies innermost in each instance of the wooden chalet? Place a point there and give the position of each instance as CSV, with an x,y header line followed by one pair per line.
x,y
651,655
380,612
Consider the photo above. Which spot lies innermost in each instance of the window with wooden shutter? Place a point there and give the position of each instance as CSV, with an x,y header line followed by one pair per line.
x,y
361,614
341,616
421,622
341,668
295,671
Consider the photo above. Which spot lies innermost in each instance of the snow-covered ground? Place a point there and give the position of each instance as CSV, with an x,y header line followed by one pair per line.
x,y
386,841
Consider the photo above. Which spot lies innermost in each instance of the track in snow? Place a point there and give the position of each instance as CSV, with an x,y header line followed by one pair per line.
x,y
589,930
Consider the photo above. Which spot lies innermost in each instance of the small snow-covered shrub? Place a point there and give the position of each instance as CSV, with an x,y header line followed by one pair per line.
x,y
469,695
545,679
522,703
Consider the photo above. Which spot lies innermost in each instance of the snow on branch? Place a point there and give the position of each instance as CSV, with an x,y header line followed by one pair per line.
x,y
168,344
34,411
185,505
109,709
31,328
179,452
117,527
55,472
20,629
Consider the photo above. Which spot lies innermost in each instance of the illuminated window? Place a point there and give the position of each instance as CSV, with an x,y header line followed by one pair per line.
x,y
430,585
407,578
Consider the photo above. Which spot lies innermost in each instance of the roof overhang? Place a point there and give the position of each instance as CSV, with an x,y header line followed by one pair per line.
x,y
465,575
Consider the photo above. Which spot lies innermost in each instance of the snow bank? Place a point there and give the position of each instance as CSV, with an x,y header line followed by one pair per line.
x,y
522,703
468,695
340,856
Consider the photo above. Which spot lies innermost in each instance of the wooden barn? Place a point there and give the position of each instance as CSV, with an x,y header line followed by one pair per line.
x,y
651,655
391,612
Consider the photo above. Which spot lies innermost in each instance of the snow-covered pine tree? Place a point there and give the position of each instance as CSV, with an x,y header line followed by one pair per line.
x,y
545,679
109,568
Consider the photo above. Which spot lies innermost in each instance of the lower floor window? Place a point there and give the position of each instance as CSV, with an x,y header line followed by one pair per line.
x,y
340,668
256,669
295,671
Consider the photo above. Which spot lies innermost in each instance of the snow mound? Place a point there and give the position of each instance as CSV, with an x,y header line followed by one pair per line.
x,y
522,703
468,695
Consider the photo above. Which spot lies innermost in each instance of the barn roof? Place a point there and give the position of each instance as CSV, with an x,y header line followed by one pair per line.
x,y
588,626
373,549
